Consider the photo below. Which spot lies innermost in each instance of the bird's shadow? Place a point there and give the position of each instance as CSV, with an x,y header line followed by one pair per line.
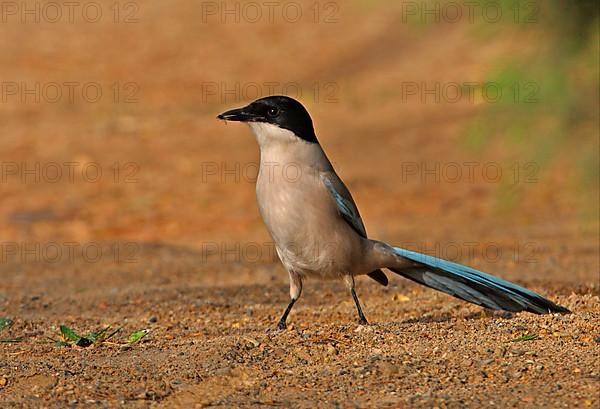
x,y
446,317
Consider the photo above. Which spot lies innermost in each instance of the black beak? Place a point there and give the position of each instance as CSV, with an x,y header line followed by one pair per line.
x,y
244,114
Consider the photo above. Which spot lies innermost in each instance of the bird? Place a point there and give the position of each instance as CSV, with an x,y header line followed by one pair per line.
x,y
317,229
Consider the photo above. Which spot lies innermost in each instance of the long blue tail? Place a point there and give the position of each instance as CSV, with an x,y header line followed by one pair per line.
x,y
473,286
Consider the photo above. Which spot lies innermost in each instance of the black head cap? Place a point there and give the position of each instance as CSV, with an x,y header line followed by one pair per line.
x,y
279,110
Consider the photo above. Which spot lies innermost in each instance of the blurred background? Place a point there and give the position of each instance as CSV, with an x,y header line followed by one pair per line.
x,y
120,99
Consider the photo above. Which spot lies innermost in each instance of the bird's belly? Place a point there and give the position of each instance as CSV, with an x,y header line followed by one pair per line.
x,y
309,235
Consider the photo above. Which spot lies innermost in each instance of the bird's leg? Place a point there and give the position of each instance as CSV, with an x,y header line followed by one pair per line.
x,y
349,280
361,317
281,324
295,291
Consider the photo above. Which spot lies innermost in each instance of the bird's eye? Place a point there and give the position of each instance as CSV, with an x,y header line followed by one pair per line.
x,y
272,112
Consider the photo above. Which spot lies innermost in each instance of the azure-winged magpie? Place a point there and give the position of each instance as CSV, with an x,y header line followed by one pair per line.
x,y
318,231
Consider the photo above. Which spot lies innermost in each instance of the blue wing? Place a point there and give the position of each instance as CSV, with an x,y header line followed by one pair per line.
x,y
348,211
345,204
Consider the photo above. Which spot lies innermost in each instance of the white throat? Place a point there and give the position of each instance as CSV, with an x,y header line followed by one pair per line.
x,y
282,146
269,136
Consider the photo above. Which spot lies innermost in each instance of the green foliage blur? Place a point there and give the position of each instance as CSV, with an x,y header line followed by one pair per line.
x,y
550,106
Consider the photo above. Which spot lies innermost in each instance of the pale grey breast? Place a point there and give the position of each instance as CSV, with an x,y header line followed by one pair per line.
x,y
300,213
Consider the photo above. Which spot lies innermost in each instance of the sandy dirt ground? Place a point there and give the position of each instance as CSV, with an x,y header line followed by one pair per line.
x,y
216,346
169,240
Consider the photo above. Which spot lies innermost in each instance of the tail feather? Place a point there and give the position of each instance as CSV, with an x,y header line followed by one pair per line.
x,y
473,285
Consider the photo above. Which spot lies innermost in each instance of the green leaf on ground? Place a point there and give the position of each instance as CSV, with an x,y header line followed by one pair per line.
x,y
98,336
5,322
137,335
69,334
70,337
530,337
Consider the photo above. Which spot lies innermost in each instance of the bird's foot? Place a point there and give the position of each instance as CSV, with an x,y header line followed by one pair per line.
x,y
363,321
277,329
